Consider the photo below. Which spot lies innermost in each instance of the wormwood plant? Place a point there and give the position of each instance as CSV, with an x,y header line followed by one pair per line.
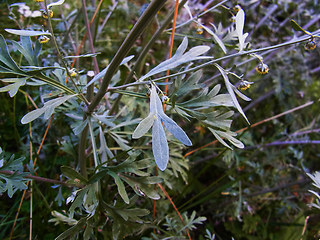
x,y
115,171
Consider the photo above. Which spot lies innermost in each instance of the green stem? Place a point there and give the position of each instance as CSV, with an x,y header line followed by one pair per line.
x,y
144,52
83,139
136,31
93,143
82,152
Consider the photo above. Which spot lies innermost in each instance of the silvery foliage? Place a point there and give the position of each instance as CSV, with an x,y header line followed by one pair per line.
x,y
155,119
316,182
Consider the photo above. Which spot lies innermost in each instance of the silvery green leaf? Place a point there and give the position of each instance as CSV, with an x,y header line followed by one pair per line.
x,y
78,126
176,131
12,89
47,109
144,126
121,142
103,72
222,99
214,132
239,29
216,38
231,92
229,135
60,2
190,84
315,193
125,123
182,48
240,94
5,57
104,150
218,119
160,147
155,102
29,33
82,56
186,6
179,58
25,48
315,178
214,91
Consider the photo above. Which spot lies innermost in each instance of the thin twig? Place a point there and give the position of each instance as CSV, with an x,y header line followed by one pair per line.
x,y
24,192
94,58
277,188
254,125
171,43
282,143
174,206
238,54
59,53
40,179
107,18
84,38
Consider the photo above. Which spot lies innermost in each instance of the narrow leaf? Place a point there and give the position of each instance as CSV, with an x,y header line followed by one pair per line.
x,y
5,57
231,92
143,126
216,38
60,2
121,187
160,147
29,33
103,72
239,28
72,174
176,131
73,230
219,138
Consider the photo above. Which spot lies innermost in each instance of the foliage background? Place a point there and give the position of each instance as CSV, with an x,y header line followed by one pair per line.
x,y
259,192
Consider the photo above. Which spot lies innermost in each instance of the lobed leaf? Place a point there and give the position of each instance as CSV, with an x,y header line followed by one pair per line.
x,y
179,58
121,187
47,109
12,89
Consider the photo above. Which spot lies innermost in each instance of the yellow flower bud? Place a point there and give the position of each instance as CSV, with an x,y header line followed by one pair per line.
x,y
73,72
45,14
244,85
310,45
262,68
165,99
43,39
